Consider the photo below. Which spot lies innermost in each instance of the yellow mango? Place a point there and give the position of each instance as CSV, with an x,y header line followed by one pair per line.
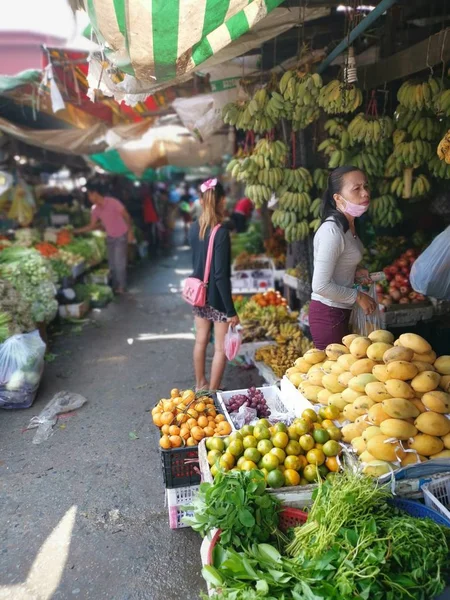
x,y
427,381
397,428
415,342
399,408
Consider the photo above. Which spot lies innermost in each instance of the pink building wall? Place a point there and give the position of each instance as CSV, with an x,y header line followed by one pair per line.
x,y
21,50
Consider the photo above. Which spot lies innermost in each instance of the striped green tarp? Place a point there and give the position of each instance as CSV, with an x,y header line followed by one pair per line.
x,y
165,39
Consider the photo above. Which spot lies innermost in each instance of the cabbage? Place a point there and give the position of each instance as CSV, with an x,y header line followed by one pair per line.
x,y
16,381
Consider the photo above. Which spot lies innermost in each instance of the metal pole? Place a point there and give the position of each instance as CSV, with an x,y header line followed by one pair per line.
x,y
357,31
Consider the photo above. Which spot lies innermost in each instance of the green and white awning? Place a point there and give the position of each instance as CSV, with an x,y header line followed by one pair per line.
x,y
167,39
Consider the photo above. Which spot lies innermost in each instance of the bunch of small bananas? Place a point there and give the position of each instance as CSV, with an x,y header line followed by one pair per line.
x,y
301,92
252,115
423,128
279,357
417,95
337,97
420,187
443,150
300,202
314,211
370,130
439,168
275,151
299,179
332,148
442,103
320,178
384,211
258,194
408,155
295,227
370,162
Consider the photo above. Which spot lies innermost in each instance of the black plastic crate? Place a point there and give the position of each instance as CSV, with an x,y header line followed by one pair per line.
x,y
180,466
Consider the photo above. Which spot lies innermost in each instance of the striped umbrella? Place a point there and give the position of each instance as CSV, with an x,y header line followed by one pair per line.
x,y
164,39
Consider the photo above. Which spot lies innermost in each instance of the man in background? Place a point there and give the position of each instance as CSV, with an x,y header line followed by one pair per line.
x,y
116,221
242,214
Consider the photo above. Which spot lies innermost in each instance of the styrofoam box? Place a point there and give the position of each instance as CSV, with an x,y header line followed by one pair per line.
x,y
271,394
293,398
73,311
177,498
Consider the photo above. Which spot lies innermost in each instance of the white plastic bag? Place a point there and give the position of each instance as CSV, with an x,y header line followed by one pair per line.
x,y
21,367
430,274
62,402
233,340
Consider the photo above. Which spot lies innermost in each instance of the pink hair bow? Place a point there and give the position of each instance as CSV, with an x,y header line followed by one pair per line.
x,y
208,185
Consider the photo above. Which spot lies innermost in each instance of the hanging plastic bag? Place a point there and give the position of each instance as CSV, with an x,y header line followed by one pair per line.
x,y
361,323
430,273
233,340
21,367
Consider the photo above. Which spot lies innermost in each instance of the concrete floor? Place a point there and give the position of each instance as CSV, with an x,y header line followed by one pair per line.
x,y
83,514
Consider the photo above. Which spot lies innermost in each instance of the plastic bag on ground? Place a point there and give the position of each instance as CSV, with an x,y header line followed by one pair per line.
x,y
21,367
430,273
233,341
62,402
361,323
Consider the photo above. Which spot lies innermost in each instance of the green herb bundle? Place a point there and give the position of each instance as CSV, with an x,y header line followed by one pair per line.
x,y
236,503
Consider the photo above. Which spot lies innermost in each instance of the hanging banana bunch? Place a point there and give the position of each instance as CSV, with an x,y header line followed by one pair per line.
x,y
384,211
443,150
320,178
337,97
370,130
416,95
442,103
420,187
439,168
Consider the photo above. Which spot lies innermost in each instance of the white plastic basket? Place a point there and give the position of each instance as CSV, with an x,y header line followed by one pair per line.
x,y
293,398
176,499
271,394
436,494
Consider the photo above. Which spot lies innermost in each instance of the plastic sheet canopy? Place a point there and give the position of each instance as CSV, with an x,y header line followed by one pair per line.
x,y
164,39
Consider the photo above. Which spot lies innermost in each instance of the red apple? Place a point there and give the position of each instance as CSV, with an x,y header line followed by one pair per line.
x,y
393,270
412,260
387,301
420,297
403,301
402,262
379,288
404,290
395,294
410,252
405,270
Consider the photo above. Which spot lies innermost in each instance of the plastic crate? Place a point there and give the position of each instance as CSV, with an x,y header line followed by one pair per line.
x,y
180,467
437,496
177,499
419,510
291,517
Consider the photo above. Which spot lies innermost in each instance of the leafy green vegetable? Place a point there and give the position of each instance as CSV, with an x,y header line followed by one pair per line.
x,y
236,503
94,292
369,551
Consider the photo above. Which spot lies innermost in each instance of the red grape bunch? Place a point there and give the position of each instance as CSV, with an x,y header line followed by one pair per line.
x,y
254,399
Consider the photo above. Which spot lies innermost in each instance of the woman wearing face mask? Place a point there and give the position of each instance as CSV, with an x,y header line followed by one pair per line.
x,y
337,254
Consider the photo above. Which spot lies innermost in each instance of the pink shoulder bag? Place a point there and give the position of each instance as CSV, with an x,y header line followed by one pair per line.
x,y
194,290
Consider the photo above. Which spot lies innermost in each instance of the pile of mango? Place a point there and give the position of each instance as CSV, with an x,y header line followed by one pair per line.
x,y
393,394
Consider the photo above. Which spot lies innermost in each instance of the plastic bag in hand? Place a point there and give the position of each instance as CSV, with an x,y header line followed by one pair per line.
x,y
361,323
430,273
21,367
232,343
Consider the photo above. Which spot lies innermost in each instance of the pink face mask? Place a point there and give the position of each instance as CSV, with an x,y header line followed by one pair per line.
x,y
354,210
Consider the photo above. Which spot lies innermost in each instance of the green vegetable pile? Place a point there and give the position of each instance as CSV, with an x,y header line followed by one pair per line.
x,y
251,241
60,268
94,292
17,309
92,248
32,276
354,546
5,320
236,503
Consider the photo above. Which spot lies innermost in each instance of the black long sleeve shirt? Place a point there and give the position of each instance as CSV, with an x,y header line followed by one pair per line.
x,y
219,285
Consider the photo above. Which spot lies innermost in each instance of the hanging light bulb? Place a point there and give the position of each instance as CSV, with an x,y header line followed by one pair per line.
x,y
350,72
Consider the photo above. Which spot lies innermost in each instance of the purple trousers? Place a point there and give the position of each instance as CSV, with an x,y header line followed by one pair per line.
x,y
328,324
